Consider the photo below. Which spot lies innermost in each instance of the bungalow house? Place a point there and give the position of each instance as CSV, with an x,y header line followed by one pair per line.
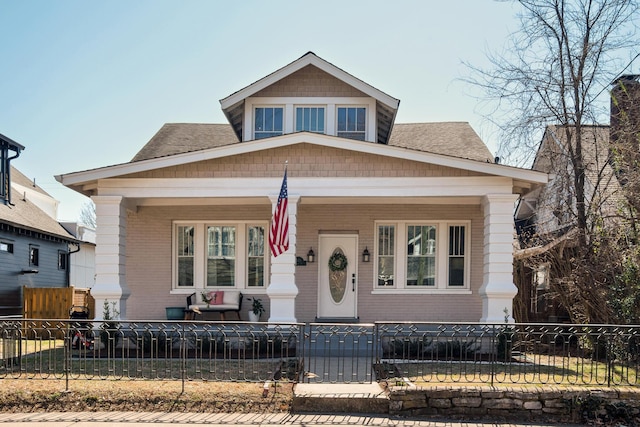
x,y
421,213
34,248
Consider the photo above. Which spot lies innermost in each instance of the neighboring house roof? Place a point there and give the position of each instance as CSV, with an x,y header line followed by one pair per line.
x,y
386,106
455,139
549,208
23,213
19,178
26,215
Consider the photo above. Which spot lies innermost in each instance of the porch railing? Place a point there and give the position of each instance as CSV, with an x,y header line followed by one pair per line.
x,y
400,353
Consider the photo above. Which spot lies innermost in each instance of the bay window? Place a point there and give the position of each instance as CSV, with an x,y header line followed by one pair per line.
x,y
423,257
229,255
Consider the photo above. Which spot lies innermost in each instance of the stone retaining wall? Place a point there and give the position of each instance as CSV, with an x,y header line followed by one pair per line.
x,y
513,403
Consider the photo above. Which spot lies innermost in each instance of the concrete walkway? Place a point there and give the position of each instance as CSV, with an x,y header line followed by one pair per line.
x,y
185,419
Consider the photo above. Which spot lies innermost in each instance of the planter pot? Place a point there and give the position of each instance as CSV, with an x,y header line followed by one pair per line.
x,y
253,317
175,313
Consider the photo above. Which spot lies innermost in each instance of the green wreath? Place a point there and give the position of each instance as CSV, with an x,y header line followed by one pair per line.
x,y
338,262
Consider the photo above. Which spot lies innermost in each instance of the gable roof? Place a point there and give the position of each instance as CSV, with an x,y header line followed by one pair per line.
x,y
457,139
85,182
386,105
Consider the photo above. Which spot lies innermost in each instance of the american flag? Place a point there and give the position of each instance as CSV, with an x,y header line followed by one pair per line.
x,y
279,233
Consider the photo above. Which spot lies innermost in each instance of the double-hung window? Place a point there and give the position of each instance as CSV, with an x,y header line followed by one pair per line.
x,y
268,121
34,255
185,255
386,255
255,256
221,255
310,119
229,255
422,256
352,122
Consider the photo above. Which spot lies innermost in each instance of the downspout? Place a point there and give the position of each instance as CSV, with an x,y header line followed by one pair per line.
x,y
68,274
9,177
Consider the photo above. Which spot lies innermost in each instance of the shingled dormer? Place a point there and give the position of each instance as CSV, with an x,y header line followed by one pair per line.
x,y
311,95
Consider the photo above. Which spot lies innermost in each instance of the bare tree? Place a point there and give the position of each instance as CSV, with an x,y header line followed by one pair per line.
x,y
88,215
553,78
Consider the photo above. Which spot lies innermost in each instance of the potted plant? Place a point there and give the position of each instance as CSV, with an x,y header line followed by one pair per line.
x,y
256,309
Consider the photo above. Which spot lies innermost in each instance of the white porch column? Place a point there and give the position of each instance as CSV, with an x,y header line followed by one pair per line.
x,y
282,290
498,290
111,230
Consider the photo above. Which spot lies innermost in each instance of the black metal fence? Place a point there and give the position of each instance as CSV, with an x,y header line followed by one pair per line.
x,y
400,353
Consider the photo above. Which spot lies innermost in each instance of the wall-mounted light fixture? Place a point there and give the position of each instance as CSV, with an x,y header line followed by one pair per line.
x,y
311,256
29,271
365,255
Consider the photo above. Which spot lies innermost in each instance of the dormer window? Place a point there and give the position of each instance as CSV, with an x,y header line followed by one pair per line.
x,y
310,119
269,121
352,122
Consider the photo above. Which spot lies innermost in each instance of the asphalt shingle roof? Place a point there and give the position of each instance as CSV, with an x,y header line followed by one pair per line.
x,y
22,213
457,139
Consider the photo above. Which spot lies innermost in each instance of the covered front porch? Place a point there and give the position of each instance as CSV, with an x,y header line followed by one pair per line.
x,y
136,262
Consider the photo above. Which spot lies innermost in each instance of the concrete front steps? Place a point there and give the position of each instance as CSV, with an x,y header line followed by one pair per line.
x,y
340,398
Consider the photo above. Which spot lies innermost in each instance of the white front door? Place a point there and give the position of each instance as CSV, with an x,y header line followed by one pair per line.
x,y
337,282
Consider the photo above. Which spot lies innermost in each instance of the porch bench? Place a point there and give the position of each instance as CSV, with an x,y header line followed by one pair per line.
x,y
231,301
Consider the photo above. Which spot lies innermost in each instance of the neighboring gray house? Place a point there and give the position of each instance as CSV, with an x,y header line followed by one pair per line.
x,y
33,246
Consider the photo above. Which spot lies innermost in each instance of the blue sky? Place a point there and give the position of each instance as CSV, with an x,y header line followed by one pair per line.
x,y
86,84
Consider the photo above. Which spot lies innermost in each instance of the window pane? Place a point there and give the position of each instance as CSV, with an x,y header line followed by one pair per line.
x,y
220,272
277,120
456,271
351,120
421,271
386,238
360,120
268,119
185,255
256,272
342,119
221,252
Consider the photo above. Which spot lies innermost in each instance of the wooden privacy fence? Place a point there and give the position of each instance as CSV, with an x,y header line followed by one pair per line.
x,y
54,303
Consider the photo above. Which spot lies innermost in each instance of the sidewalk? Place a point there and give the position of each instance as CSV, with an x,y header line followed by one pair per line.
x,y
182,419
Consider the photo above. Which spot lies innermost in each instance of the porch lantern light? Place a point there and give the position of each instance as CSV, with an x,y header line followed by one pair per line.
x,y
365,255
311,256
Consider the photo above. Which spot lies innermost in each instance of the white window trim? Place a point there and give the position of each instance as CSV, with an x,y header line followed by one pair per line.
x,y
442,260
285,123
367,126
330,103
200,258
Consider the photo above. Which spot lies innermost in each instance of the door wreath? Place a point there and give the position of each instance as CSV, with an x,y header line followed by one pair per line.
x,y
338,262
